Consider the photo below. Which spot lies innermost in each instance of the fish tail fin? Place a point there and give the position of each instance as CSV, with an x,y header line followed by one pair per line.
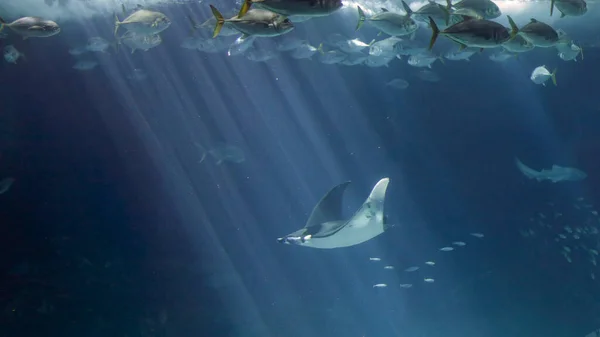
x,y
514,29
117,23
193,24
203,150
435,32
245,8
553,76
2,24
407,9
527,171
361,18
202,158
320,48
581,51
220,20
551,7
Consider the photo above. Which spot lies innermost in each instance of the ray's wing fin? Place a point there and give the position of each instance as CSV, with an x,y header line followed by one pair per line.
x,y
329,208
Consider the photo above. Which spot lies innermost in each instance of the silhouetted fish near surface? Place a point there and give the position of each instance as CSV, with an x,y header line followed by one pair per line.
x,y
471,32
569,7
536,32
307,8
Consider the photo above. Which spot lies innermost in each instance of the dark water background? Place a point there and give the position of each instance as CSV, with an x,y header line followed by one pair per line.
x,y
114,224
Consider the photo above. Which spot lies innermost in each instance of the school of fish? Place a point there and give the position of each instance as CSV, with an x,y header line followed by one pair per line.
x,y
468,23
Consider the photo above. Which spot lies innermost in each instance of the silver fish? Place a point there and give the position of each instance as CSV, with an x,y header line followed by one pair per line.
x,y
32,26
392,24
257,22
144,22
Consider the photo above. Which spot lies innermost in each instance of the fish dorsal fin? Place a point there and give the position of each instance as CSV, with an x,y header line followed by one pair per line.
x,y
384,10
329,207
532,20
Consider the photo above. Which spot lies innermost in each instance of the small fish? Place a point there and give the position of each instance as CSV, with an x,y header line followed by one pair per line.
x,y
405,285
411,269
398,83
85,65
12,55
305,51
540,75
429,280
459,243
562,236
97,44
76,51
446,249
380,285
430,263
477,235
428,76
137,41
424,60
388,267
375,259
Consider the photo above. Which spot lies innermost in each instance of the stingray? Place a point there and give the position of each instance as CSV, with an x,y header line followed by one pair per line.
x,y
326,227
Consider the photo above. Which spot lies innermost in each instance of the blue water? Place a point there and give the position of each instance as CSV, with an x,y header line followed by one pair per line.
x,y
113,221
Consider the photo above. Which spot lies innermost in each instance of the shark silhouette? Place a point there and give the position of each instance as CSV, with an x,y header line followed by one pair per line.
x,y
555,174
326,227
